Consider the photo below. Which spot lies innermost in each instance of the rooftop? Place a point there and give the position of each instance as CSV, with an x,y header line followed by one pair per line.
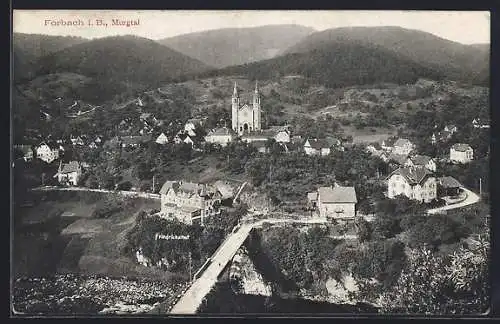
x,y
461,147
220,131
72,166
420,159
402,142
414,175
337,195
449,182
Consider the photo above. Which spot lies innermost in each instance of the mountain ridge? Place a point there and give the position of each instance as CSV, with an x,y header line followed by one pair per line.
x,y
232,46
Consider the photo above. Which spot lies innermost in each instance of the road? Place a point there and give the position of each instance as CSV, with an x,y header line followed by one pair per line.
x,y
472,198
121,192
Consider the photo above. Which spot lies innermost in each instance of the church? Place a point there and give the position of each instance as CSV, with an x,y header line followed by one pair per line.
x,y
246,118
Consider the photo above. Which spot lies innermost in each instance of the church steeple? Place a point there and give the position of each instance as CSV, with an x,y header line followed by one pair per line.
x,y
235,91
256,87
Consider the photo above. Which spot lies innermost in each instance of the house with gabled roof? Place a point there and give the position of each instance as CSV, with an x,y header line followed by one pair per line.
x,y
416,183
189,202
323,147
47,152
448,186
334,202
461,153
421,161
403,146
222,136
162,139
69,173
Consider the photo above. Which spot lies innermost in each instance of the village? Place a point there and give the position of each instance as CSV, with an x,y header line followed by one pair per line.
x,y
409,173
224,162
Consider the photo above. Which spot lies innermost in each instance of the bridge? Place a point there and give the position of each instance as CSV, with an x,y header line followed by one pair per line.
x,y
193,297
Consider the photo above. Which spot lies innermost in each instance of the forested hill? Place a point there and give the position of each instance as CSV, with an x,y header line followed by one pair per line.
x,y
339,64
27,48
122,60
456,60
234,46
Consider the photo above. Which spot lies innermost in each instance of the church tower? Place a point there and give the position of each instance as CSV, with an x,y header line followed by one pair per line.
x,y
235,104
256,108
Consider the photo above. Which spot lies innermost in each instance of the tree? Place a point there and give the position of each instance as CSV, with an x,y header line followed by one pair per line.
x,y
430,284
364,229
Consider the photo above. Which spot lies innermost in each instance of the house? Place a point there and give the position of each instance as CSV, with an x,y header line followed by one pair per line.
x,y
433,139
322,147
281,134
416,183
226,189
421,161
221,136
133,141
191,124
403,146
461,153
47,153
69,173
448,186
478,123
452,129
77,141
162,139
387,144
188,202
334,202
26,151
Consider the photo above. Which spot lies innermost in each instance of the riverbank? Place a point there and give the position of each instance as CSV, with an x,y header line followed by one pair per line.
x,y
74,294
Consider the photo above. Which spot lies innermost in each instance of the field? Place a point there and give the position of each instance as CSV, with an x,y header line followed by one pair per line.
x,y
76,241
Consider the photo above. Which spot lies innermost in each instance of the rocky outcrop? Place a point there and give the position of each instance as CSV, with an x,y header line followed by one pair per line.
x,y
243,270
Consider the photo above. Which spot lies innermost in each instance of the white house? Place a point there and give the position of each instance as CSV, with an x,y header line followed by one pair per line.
x,y
416,183
402,146
322,147
46,153
478,123
77,141
191,124
421,161
221,136
334,202
69,173
189,202
162,139
461,153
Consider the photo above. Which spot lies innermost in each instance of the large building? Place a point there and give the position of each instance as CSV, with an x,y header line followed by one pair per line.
x,y
246,118
189,202
334,202
47,153
461,153
416,183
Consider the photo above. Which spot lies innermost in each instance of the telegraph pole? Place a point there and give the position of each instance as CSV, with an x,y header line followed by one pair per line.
x,y
190,268
480,187
153,183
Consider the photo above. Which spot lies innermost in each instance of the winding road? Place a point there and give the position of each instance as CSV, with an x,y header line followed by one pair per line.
x,y
471,199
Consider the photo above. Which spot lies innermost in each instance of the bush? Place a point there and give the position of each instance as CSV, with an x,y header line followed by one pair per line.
x,y
108,207
124,185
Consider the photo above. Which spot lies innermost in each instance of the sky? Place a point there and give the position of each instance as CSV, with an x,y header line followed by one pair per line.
x,y
467,27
